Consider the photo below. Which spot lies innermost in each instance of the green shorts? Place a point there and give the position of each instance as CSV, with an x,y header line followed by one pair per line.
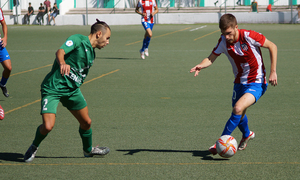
x,y
72,101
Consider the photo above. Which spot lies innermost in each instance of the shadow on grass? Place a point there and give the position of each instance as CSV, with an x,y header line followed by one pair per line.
x,y
17,157
203,154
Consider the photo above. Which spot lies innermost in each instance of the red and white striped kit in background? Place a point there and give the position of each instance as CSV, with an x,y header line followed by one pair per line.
x,y
147,6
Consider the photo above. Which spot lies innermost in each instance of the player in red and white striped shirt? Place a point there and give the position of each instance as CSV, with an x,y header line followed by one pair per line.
x,y
244,56
4,56
148,10
242,48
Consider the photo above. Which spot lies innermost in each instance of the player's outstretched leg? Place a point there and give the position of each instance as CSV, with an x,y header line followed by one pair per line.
x,y
244,141
98,151
146,52
243,126
4,90
88,150
147,39
6,72
30,153
142,53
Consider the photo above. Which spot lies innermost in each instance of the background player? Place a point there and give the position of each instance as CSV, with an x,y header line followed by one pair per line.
x,y
70,68
242,48
4,56
298,9
254,7
148,10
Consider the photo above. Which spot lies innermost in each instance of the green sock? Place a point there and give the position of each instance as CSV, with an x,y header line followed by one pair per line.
x,y
38,137
86,136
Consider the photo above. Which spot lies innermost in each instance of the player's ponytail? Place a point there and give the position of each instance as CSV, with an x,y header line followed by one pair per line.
x,y
99,26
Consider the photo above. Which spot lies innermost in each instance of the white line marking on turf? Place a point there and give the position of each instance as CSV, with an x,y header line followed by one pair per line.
x,y
198,28
16,50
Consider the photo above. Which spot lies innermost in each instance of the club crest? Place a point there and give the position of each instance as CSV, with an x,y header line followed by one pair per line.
x,y
244,47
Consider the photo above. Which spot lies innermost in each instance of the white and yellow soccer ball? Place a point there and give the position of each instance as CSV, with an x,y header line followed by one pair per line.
x,y
226,146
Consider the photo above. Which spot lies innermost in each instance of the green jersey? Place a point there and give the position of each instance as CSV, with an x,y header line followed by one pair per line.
x,y
80,55
254,6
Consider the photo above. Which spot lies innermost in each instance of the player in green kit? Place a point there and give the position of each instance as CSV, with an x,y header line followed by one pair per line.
x,y
70,68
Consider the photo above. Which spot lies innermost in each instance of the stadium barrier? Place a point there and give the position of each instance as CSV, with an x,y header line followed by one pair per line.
x,y
164,18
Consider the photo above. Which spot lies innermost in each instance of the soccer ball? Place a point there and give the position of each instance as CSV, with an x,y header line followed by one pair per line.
x,y
226,146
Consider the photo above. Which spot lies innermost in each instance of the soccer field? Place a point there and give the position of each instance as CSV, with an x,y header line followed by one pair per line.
x,y
155,116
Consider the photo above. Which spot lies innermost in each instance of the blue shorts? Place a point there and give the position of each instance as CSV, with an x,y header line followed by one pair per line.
x,y
256,89
3,54
53,14
147,25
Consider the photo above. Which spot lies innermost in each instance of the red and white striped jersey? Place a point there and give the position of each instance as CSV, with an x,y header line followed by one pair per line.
x,y
147,6
1,15
245,56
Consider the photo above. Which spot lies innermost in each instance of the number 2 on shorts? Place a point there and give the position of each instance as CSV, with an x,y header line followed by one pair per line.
x,y
45,104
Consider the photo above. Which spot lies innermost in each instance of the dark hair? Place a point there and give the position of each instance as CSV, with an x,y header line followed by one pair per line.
x,y
99,26
227,21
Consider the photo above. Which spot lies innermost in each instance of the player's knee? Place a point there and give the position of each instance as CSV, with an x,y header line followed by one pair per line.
x,y
47,128
8,68
86,124
238,110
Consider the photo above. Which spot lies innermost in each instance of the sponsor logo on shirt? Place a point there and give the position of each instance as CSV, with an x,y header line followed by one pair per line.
x,y
74,77
69,43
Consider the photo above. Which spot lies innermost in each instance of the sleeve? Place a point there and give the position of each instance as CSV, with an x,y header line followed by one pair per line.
x,y
71,43
154,3
257,39
139,4
218,50
1,15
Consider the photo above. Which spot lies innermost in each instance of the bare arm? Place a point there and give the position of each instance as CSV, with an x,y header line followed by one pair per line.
x,y
60,59
4,29
206,62
273,57
155,12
